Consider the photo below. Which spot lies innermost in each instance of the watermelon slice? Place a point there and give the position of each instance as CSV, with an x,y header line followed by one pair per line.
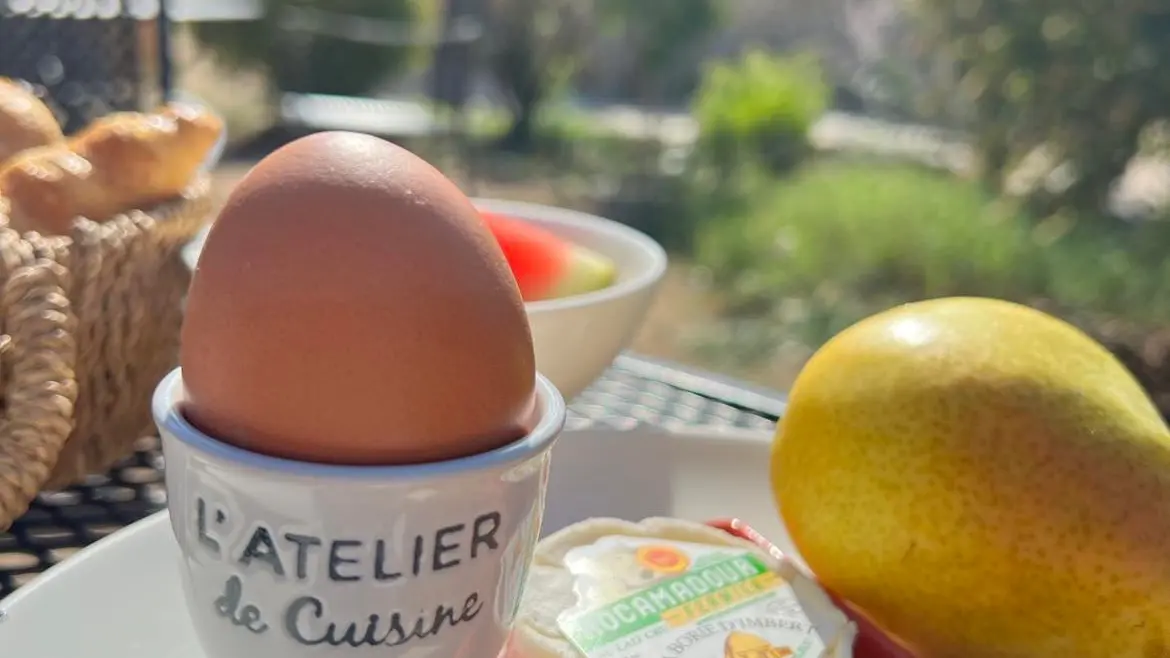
x,y
545,265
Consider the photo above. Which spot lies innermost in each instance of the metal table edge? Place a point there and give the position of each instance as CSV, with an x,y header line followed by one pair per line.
x,y
743,395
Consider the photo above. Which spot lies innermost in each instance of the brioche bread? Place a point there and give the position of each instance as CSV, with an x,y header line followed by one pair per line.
x,y
120,162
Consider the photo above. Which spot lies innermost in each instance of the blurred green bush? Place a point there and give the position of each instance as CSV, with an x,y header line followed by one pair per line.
x,y
758,111
307,62
753,115
840,239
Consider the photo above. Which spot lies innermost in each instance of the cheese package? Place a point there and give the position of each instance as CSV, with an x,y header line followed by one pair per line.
x,y
668,588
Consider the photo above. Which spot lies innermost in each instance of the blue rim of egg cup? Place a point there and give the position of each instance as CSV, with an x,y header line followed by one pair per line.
x,y
167,407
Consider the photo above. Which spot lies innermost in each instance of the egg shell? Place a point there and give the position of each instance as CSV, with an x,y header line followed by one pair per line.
x,y
349,306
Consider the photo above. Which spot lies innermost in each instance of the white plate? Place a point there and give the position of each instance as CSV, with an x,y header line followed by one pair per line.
x,y
121,597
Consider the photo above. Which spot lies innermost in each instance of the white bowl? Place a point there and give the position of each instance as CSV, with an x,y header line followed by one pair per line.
x,y
577,337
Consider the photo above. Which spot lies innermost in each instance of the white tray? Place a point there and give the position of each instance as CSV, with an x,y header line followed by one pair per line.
x,y
121,597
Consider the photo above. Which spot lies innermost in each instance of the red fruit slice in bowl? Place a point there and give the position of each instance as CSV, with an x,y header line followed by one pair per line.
x,y
872,642
545,265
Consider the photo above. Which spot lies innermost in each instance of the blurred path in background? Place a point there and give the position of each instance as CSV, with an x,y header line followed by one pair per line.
x,y
1145,187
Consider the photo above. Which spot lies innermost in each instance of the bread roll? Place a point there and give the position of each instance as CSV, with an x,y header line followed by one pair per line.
x,y
667,587
144,159
46,187
120,162
25,122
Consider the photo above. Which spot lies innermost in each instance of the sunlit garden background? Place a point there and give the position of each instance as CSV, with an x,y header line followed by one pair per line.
x,y
806,163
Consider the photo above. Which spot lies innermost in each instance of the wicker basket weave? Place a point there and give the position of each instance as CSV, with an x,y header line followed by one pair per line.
x,y
89,323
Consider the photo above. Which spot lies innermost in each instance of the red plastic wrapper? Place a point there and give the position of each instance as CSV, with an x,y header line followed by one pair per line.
x,y
871,641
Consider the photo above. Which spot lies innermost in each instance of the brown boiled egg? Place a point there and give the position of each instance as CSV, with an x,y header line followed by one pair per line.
x,y
349,306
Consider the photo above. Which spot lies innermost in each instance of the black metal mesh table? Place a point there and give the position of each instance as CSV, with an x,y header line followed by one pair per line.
x,y
634,391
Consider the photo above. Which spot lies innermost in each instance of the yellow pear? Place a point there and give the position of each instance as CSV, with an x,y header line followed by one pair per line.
x,y
983,480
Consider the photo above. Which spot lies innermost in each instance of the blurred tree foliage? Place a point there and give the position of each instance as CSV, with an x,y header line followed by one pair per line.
x,y
533,48
319,60
536,46
901,82
1076,80
663,33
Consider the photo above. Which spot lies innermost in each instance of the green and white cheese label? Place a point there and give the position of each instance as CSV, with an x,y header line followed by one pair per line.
x,y
641,598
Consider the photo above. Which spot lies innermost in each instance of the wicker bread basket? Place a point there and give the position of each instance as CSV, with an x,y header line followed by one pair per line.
x,y
89,323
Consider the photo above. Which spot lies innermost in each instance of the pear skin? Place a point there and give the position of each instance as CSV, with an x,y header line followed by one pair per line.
x,y
984,480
